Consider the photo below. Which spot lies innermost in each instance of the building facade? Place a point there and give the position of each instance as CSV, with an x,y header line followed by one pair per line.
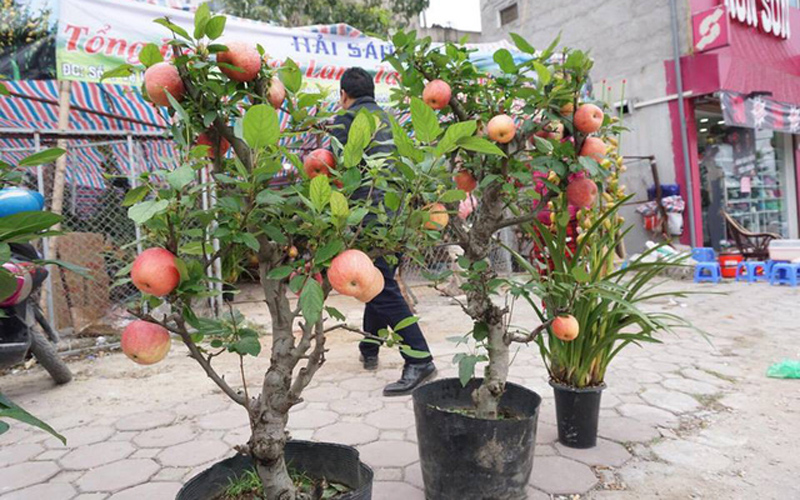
x,y
741,99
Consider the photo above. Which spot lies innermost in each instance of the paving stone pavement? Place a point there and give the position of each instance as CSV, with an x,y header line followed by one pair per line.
x,y
145,450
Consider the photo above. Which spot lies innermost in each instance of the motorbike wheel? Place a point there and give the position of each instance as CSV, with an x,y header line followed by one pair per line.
x,y
47,356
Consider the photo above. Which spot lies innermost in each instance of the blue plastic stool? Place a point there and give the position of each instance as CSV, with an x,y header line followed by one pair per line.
x,y
748,270
714,272
704,254
784,273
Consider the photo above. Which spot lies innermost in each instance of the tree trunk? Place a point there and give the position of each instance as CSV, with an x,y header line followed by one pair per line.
x,y
270,412
482,309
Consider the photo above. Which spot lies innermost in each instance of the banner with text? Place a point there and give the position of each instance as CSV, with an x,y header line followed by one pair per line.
x,y
95,36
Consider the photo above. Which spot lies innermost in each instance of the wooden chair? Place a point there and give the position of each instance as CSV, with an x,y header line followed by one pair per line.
x,y
753,246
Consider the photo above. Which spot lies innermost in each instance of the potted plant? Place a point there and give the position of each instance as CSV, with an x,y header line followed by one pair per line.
x,y
476,437
593,306
310,236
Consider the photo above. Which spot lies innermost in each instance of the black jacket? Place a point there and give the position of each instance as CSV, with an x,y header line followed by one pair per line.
x,y
382,142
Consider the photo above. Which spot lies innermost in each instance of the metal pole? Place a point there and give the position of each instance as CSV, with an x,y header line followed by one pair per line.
x,y
676,54
51,310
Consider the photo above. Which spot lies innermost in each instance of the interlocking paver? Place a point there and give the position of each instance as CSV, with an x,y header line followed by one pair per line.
x,y
164,436
324,393
626,430
80,436
93,455
690,386
389,453
691,455
192,453
26,474
362,384
648,414
91,496
413,475
676,402
119,475
46,491
562,476
393,490
546,433
14,454
201,406
146,420
356,404
153,491
224,420
606,454
347,433
398,417
312,419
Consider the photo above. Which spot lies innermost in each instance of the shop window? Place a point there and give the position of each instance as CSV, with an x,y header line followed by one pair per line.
x,y
509,14
747,173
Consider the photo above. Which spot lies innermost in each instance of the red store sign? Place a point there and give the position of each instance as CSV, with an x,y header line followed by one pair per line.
x,y
770,16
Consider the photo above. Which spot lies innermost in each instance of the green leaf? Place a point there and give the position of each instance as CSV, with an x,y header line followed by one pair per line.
x,y
269,197
580,274
466,369
280,272
150,55
121,71
339,206
25,224
180,177
453,195
543,73
260,126
5,253
246,345
146,210
4,91
327,251
543,144
320,192
522,44
357,139
201,17
274,233
590,165
406,322
135,195
357,215
311,301
251,241
413,353
453,134
480,331
424,120
8,284
505,60
42,157
9,409
290,75
391,200
173,28
403,143
215,27
480,145
335,313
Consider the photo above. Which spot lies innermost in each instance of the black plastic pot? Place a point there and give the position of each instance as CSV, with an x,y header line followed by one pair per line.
x,y
334,462
577,413
228,292
469,458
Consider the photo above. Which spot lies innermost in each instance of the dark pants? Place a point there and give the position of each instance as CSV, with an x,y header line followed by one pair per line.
x,y
388,309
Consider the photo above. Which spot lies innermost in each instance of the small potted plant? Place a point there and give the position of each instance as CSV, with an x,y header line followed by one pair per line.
x,y
309,236
477,436
592,305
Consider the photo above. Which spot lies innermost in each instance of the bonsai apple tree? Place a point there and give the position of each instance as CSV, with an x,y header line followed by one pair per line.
x,y
531,156
310,234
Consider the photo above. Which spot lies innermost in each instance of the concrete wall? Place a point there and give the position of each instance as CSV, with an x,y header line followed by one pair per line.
x,y
443,34
628,40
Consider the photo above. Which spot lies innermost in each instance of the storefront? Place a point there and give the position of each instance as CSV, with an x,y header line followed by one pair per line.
x,y
742,116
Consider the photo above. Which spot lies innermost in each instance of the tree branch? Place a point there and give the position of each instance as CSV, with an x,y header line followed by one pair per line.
x,y
530,336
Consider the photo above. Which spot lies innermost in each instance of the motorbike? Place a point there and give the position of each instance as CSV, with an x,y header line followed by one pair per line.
x,y
24,330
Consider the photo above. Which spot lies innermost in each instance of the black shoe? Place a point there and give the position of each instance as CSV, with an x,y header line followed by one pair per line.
x,y
413,375
369,362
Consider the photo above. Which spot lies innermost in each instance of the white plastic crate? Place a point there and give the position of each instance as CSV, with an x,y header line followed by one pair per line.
x,y
784,250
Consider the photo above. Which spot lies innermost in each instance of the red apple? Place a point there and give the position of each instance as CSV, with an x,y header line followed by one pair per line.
x,y
588,119
437,94
438,218
553,130
594,147
244,57
154,272
319,162
373,287
582,192
566,327
501,129
465,181
161,78
145,343
204,140
352,273
276,93
567,109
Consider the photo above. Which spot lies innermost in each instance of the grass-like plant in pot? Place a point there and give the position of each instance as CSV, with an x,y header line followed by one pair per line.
x,y
476,436
310,236
594,307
